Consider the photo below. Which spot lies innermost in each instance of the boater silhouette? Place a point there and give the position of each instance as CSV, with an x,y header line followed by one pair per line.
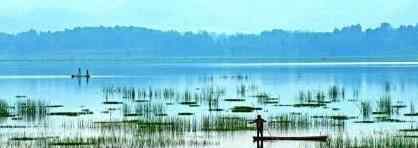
x,y
259,125
87,73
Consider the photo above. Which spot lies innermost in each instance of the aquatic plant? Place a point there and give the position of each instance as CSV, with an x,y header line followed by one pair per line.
x,y
31,109
365,109
4,109
375,141
289,121
385,109
244,109
225,123
411,110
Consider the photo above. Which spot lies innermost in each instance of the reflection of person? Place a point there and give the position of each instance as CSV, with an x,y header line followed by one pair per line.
x,y
259,125
260,144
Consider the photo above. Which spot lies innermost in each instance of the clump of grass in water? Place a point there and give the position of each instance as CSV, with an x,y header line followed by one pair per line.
x,y
308,99
365,111
242,90
4,109
298,121
224,123
333,93
31,109
411,110
384,106
151,124
385,110
160,140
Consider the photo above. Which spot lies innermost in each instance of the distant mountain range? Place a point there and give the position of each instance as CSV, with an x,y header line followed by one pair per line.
x,y
130,42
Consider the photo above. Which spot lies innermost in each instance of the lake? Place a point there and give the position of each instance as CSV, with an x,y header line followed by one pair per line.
x,y
145,104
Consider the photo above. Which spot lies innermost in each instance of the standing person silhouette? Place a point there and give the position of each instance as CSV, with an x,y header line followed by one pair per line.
x,y
87,73
259,124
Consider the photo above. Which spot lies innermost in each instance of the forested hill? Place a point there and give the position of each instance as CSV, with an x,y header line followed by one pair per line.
x,y
350,41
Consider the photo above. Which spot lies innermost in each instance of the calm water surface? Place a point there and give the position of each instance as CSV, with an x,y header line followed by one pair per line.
x,y
50,82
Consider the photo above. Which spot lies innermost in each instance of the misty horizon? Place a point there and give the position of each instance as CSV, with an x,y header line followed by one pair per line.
x,y
363,29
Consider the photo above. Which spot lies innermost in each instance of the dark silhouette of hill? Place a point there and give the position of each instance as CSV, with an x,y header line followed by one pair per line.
x,y
350,41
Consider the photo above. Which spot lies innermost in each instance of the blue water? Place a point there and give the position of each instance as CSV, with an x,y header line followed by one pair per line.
x,y
51,81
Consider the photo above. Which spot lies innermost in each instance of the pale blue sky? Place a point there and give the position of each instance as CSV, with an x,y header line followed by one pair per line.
x,y
226,16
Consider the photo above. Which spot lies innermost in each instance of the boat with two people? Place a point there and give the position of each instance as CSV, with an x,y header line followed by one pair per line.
x,y
80,75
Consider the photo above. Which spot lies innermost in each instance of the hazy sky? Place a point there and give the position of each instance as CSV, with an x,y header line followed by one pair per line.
x,y
213,15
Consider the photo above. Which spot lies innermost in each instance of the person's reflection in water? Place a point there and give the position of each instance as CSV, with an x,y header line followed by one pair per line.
x,y
260,144
79,81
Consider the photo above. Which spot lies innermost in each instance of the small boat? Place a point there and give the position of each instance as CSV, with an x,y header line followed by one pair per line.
x,y
302,138
79,75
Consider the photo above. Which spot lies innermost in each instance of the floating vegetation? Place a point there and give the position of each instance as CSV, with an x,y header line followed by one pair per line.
x,y
188,103
21,96
161,114
132,114
216,109
141,100
30,138
70,113
63,114
244,109
364,121
409,130
341,117
234,100
308,105
14,126
112,102
271,102
54,106
185,114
